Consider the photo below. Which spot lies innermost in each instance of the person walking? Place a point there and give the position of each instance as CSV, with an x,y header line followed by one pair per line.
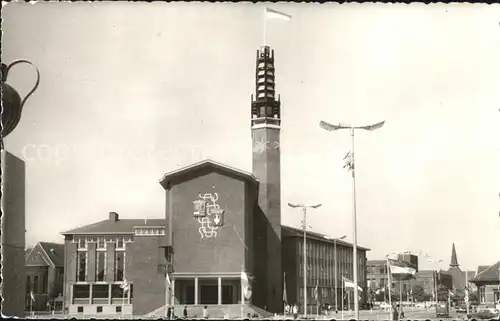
x,y
185,312
205,312
295,311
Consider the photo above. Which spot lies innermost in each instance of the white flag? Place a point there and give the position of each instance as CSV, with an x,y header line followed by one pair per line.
x,y
246,285
273,14
168,279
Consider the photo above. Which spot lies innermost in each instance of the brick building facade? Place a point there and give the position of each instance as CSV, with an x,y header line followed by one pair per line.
x,y
100,256
44,275
321,270
488,286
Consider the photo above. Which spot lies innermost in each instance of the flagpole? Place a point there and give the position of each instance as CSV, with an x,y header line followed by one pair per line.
x,y
389,285
265,27
342,298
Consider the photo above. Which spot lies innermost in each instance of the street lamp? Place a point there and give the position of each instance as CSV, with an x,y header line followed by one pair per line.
x,y
335,266
304,263
350,165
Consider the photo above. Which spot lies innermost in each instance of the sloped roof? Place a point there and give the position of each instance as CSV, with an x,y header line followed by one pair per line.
x,y
292,231
488,275
376,262
481,268
27,252
121,226
208,163
55,252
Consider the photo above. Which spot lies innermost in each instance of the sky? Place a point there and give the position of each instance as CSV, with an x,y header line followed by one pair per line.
x,y
130,91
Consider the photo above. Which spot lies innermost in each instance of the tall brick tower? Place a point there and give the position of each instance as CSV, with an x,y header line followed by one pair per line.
x,y
266,125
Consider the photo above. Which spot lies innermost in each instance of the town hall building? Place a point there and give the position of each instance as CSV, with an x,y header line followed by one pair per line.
x,y
219,222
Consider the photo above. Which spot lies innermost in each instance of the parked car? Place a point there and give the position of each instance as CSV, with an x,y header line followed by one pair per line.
x,y
484,314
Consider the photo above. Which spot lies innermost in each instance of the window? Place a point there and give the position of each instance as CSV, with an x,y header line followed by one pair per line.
x,y
118,309
80,309
81,243
28,284
81,272
100,266
99,309
119,265
119,243
43,283
35,284
100,243
81,293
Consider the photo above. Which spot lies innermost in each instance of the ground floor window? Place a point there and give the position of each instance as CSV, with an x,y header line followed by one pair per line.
x,y
101,294
208,291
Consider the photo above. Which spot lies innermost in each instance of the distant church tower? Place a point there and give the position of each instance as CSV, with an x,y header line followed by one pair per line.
x,y
454,261
266,126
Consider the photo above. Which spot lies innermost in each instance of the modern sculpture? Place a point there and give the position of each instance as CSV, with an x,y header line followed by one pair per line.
x,y
12,104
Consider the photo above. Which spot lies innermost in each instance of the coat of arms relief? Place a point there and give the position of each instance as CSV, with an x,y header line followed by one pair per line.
x,y
209,214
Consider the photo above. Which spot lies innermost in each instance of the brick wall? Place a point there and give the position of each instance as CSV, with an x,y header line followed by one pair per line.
x,y
194,253
69,270
142,260
266,167
13,235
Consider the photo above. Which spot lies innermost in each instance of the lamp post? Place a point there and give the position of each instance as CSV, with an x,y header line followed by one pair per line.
x,y
436,264
335,266
304,263
350,165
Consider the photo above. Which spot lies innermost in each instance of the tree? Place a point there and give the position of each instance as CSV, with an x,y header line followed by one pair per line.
x,y
442,293
419,294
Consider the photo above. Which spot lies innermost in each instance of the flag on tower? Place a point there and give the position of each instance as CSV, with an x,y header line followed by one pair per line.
x,y
273,14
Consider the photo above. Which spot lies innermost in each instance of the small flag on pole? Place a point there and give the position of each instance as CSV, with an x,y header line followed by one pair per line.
x,y
273,14
245,283
350,284
167,279
125,286
285,298
316,290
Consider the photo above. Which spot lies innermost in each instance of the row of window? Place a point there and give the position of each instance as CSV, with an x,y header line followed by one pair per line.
x,y
321,260
118,309
101,241
36,284
101,266
150,231
100,293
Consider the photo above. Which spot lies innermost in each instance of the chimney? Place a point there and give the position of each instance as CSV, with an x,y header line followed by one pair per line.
x,y
113,216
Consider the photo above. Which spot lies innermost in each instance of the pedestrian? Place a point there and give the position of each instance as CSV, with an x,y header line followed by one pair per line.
x,y
205,312
295,311
169,313
287,309
185,312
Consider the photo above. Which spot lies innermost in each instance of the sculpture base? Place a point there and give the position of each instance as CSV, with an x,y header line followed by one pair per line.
x,y
13,235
